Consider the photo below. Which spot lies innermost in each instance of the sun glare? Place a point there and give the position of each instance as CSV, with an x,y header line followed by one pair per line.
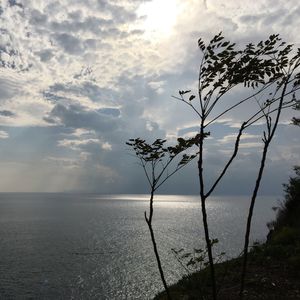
x,y
159,16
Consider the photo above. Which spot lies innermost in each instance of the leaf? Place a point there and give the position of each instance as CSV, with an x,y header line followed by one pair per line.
x,y
214,241
192,97
190,262
198,250
184,92
181,141
199,259
186,255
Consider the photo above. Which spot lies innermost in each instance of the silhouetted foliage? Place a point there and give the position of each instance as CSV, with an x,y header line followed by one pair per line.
x,y
267,72
159,163
289,211
268,69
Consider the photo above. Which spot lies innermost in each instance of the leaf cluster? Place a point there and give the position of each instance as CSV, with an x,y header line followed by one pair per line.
x,y
225,65
268,67
260,65
156,157
158,150
196,259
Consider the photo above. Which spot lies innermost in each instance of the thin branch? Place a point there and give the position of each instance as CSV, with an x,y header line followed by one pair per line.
x,y
162,171
172,173
283,95
239,103
217,100
236,147
199,83
274,110
257,184
145,171
189,104
262,109
273,101
149,223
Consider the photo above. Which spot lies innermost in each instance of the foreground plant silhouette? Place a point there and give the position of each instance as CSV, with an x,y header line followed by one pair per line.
x,y
266,72
287,82
267,75
159,163
196,261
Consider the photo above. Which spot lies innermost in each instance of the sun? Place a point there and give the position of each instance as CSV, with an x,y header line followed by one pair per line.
x,y
159,17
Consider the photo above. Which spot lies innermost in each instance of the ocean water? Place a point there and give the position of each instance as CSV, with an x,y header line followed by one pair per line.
x,y
67,246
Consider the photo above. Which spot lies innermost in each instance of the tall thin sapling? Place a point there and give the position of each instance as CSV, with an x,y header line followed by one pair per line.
x,y
156,160
223,69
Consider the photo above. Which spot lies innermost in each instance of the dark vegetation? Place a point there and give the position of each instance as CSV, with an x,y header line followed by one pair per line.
x,y
267,71
273,269
156,160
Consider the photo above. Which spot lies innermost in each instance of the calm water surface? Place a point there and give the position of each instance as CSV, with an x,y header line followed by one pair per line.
x,y
65,246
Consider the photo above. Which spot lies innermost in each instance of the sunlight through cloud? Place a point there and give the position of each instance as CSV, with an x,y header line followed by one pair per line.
x,y
159,17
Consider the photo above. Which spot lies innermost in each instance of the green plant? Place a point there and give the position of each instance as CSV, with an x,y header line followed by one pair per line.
x,y
268,73
196,260
156,160
265,69
286,236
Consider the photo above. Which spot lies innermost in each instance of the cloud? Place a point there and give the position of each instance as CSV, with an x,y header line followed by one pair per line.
x,y
76,116
15,3
9,88
110,111
232,138
69,43
77,144
3,134
45,55
106,146
6,113
79,78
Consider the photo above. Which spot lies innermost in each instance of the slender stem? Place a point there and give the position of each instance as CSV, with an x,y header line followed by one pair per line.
x,y
249,219
204,214
267,142
157,184
145,170
218,97
268,114
168,176
236,148
189,104
239,103
149,223
199,83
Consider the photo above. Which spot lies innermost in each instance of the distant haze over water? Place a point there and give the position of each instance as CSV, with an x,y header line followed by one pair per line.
x,y
87,246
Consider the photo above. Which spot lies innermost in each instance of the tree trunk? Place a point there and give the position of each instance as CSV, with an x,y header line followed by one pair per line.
x,y
149,223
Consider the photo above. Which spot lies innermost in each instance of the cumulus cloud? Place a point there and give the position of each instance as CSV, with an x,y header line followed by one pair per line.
x,y
79,78
232,138
3,134
9,88
7,113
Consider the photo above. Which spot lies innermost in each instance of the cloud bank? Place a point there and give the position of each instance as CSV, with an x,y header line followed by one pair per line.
x,y
79,78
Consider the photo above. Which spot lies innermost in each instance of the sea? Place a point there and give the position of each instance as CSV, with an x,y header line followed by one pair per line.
x,y
88,246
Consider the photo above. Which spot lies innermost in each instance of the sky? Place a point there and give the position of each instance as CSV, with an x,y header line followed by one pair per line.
x,y
79,78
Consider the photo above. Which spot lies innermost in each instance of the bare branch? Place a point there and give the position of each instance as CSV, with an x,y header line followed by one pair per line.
x,y
236,147
238,104
288,105
189,104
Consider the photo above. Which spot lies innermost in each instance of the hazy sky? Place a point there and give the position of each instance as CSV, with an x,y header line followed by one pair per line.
x,y
78,78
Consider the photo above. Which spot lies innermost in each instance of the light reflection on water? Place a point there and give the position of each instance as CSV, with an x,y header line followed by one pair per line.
x,y
56,246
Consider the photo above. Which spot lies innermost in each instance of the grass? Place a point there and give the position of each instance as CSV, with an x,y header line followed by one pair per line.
x,y
273,269
273,273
